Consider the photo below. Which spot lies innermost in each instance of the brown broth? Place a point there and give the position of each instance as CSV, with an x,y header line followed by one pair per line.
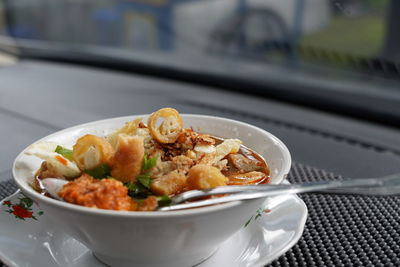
x,y
250,154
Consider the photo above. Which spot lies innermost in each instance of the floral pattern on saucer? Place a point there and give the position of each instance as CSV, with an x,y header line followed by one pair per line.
x,y
22,209
32,243
258,214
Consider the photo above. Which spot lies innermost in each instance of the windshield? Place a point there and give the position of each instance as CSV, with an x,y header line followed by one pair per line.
x,y
322,53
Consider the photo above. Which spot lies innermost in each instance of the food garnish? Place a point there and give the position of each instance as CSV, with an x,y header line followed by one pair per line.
x,y
102,171
139,167
65,152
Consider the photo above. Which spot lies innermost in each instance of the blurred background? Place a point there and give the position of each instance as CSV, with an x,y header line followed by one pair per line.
x,y
338,31
340,55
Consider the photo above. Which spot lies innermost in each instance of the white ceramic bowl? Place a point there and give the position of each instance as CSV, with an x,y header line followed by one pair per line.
x,y
176,238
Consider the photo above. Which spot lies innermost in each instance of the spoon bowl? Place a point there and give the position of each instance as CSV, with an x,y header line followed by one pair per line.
x,y
53,186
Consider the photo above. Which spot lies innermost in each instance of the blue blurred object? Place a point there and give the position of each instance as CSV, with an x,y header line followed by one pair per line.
x,y
24,31
150,18
107,22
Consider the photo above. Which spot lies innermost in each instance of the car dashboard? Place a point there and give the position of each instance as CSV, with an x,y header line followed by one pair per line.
x,y
38,98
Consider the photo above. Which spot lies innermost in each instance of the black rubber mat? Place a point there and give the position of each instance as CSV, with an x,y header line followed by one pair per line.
x,y
340,230
7,188
344,230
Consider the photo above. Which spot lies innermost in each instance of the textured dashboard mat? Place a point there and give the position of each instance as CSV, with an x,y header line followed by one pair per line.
x,y
7,188
343,230
340,230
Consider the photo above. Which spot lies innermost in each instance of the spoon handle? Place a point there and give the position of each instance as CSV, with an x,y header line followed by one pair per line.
x,y
367,186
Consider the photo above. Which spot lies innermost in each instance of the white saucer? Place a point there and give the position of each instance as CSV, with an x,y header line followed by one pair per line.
x,y
31,242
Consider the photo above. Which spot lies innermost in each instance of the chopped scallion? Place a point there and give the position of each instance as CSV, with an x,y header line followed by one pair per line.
x,y
65,152
163,200
137,190
103,171
149,163
145,179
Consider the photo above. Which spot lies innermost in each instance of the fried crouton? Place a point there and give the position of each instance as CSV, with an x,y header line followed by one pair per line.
x,y
128,158
169,184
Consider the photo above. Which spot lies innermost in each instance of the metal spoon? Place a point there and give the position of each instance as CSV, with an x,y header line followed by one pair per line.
x,y
389,185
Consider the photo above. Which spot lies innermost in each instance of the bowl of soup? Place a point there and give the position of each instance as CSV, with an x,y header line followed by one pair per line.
x,y
119,171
